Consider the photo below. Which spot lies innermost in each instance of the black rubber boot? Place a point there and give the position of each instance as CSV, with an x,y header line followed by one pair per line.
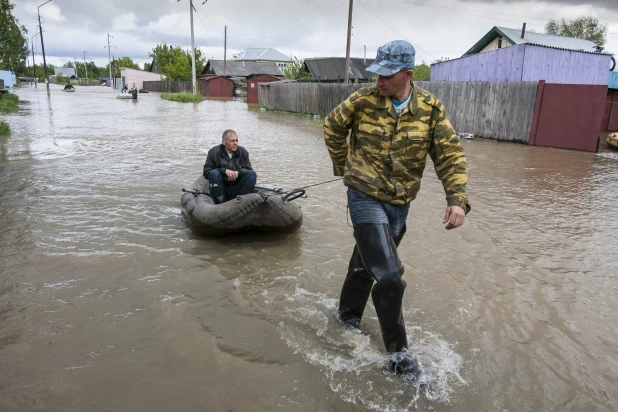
x,y
355,291
379,254
357,288
244,189
217,192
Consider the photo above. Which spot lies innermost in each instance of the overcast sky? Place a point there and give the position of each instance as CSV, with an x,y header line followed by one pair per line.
x,y
302,28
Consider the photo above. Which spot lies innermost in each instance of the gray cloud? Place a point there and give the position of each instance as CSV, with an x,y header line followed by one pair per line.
x,y
611,5
303,28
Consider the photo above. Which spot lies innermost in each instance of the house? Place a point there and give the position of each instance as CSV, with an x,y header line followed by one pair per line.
x,y
265,55
609,122
527,62
502,37
153,67
332,69
613,80
9,78
570,76
237,68
130,76
64,71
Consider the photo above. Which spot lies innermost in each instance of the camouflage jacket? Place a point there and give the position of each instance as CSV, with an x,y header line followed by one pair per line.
x,y
386,154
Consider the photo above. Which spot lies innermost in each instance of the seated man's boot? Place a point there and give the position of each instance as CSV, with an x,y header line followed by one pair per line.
x,y
217,192
246,189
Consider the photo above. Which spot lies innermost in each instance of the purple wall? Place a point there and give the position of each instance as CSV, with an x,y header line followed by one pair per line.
x,y
526,62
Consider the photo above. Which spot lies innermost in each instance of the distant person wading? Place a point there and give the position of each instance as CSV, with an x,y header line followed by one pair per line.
x,y
394,126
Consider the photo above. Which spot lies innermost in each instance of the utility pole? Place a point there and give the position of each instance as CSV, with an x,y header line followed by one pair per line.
x,y
109,57
42,44
225,51
33,64
192,49
347,49
86,68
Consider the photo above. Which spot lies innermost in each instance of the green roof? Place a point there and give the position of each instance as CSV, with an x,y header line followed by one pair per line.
x,y
513,36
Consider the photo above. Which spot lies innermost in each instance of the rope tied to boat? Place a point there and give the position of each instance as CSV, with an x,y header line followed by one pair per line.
x,y
285,196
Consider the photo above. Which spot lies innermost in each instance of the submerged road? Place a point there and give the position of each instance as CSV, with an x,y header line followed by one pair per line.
x,y
109,302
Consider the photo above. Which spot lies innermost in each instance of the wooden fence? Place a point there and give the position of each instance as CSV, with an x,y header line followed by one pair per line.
x,y
166,86
497,110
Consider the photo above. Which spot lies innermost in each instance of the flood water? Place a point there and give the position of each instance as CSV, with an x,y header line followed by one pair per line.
x,y
109,302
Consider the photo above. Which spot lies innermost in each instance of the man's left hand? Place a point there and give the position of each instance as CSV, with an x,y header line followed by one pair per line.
x,y
454,216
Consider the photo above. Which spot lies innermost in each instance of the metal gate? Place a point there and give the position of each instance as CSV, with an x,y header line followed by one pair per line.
x,y
568,116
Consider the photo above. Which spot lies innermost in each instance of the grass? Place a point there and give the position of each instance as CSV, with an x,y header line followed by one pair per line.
x,y
8,103
183,97
5,130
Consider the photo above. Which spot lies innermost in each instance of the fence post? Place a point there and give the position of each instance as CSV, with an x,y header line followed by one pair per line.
x,y
537,112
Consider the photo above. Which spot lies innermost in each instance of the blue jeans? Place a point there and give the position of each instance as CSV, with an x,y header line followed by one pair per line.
x,y
248,179
365,209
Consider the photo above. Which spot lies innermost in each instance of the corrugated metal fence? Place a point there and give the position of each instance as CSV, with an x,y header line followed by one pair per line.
x,y
165,86
498,110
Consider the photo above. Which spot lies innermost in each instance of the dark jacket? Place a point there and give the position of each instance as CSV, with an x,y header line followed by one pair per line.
x,y
218,159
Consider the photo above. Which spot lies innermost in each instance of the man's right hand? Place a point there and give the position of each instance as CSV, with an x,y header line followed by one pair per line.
x,y
231,175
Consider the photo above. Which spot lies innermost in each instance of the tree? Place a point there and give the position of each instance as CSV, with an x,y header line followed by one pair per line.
x,y
421,71
147,66
127,62
440,60
296,71
13,43
585,27
175,62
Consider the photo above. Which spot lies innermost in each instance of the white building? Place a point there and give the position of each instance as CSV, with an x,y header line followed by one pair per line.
x,y
130,76
265,56
9,78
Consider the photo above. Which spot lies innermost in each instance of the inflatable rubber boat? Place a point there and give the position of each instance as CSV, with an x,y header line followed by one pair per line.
x,y
263,210
612,140
125,96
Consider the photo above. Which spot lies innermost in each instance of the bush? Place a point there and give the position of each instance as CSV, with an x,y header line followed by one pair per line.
x,y
60,79
183,97
5,130
8,103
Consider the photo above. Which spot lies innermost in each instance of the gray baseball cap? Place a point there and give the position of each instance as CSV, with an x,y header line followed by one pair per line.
x,y
393,57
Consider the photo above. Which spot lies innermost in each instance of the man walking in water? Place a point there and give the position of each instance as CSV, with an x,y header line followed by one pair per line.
x,y
394,126
229,170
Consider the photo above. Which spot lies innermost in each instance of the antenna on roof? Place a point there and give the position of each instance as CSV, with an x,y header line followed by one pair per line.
x,y
523,31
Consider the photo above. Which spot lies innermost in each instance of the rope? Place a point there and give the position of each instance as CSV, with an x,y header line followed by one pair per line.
x,y
317,184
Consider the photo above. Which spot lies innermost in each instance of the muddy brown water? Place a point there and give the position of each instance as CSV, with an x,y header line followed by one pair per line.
x,y
109,302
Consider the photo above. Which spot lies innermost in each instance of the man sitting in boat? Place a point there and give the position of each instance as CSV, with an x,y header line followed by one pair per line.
x,y
229,170
69,87
124,89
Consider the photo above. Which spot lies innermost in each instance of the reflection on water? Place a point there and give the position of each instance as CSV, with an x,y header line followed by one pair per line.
x,y
105,294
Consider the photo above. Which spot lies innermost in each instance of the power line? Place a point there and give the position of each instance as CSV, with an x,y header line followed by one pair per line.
x,y
460,11
474,11
289,31
295,20
287,24
149,29
402,36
